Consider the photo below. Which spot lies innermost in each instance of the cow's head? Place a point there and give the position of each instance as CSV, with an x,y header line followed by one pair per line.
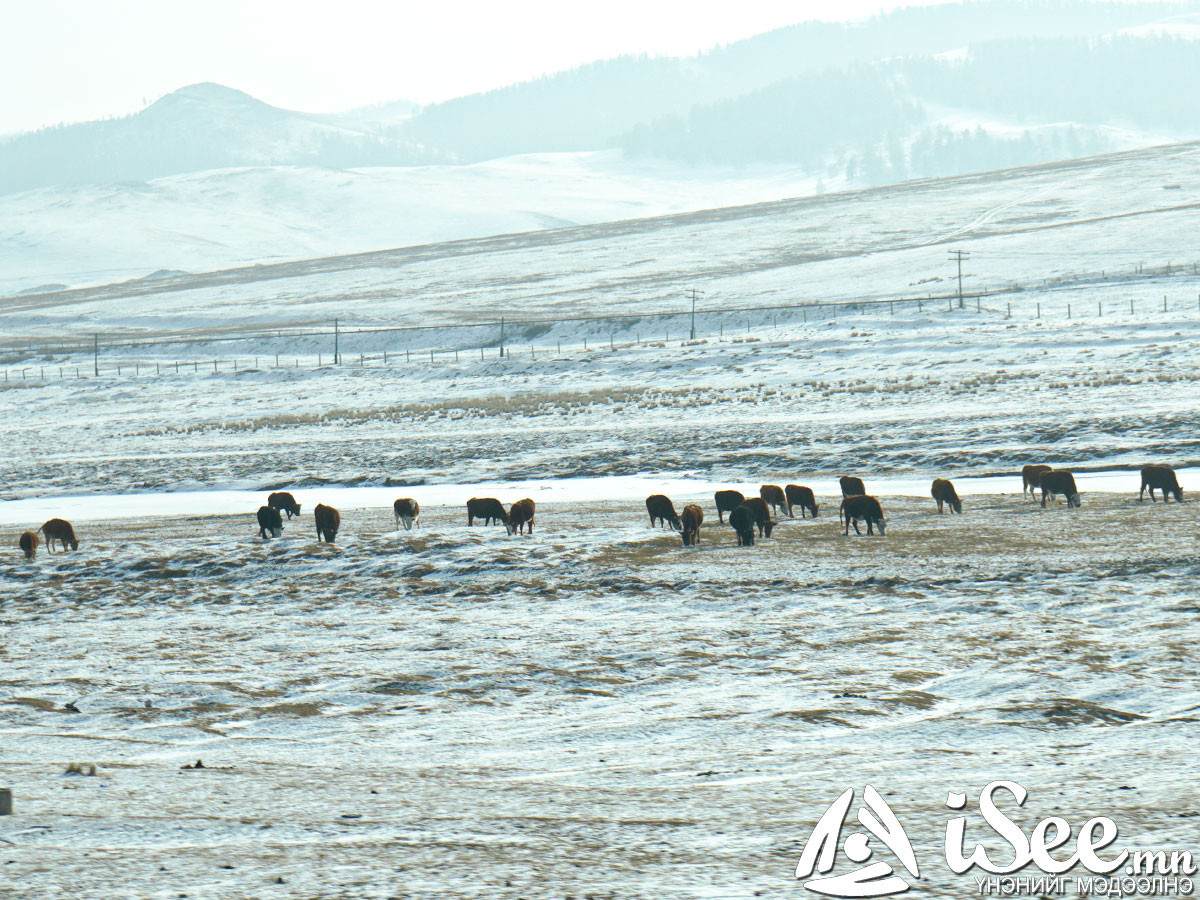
x,y
676,524
956,505
74,543
1178,492
1074,501
881,524
814,510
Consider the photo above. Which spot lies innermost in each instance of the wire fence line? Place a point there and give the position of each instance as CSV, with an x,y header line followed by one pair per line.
x,y
388,345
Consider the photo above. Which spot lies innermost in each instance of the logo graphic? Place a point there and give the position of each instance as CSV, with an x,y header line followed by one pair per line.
x,y
875,880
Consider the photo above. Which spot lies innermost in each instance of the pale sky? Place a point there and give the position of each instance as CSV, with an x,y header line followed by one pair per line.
x,y
73,60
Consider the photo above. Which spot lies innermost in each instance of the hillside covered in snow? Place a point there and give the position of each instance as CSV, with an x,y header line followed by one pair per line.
x,y
208,177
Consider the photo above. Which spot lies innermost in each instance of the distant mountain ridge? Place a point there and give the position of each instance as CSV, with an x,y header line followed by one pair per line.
x,y
921,91
196,128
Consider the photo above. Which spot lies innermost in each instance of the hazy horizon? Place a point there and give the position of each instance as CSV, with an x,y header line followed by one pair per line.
x,y
79,62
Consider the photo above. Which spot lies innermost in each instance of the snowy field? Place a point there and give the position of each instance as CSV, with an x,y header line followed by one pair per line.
x,y
97,234
1022,227
596,710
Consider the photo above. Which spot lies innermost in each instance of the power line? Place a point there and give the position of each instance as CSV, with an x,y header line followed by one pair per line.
x,y
960,255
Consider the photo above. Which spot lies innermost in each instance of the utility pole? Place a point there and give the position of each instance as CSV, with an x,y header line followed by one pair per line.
x,y
96,355
337,357
695,293
502,336
960,255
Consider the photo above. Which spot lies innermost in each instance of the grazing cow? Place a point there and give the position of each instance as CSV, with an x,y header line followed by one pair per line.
x,y
520,514
407,511
762,515
1059,481
798,495
1031,479
773,496
862,508
662,510
741,520
692,517
728,501
29,544
851,486
269,520
943,492
284,502
1163,478
487,508
59,530
329,520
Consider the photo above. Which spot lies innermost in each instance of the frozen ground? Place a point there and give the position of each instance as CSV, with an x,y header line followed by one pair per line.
x,y
955,393
596,711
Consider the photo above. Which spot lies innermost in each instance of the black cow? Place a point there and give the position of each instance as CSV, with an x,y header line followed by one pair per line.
x,y
662,510
328,520
1163,478
728,501
741,520
692,517
407,511
269,520
487,508
284,502
851,486
943,492
762,515
1059,481
798,495
862,508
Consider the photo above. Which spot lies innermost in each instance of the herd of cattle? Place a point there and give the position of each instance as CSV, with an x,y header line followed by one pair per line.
x,y
746,515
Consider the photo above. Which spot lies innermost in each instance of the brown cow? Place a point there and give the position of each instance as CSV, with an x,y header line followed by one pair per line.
x,y
1059,481
520,514
284,502
862,508
851,486
1163,478
29,544
661,509
741,520
727,501
329,520
1031,479
59,530
762,515
943,492
774,497
798,495
692,518
407,510
487,508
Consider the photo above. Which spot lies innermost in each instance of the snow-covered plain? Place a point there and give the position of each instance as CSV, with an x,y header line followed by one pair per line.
x,y
596,710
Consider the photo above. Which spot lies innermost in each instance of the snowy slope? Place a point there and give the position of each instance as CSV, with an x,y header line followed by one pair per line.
x,y
90,234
